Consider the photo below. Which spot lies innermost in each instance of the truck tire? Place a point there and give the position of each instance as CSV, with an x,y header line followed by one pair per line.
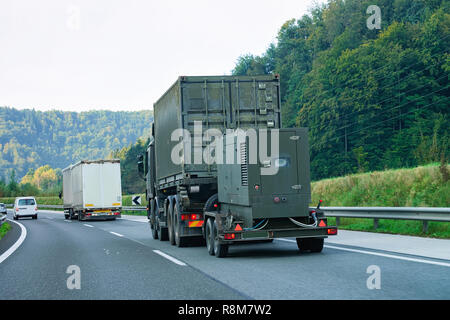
x,y
303,244
209,236
163,233
220,249
170,225
209,204
154,231
316,245
152,220
179,240
310,244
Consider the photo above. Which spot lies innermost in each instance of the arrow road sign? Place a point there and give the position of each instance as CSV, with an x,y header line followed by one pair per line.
x,y
136,200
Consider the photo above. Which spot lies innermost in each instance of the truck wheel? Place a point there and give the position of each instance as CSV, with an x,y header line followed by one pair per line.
x,y
79,217
163,233
303,244
220,250
316,245
170,225
209,236
179,240
66,216
154,231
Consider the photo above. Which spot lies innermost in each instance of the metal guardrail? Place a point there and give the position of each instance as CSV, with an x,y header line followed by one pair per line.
x,y
376,213
394,213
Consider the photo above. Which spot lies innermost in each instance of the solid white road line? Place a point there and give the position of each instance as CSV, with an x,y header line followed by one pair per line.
x,y
438,263
23,235
115,233
88,225
162,254
67,221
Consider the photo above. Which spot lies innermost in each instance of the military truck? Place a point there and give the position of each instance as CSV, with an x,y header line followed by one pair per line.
x,y
244,194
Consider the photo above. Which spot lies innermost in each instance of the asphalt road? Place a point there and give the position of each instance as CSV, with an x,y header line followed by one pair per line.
x,y
119,260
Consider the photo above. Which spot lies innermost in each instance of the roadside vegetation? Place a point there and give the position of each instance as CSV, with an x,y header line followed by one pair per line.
x,y
4,229
424,186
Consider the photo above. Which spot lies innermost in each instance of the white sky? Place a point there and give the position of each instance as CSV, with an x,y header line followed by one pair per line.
x,y
124,54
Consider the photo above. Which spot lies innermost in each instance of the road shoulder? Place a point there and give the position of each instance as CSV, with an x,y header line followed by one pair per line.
x,y
419,246
10,238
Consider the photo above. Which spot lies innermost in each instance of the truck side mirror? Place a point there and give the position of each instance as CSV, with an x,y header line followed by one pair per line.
x,y
141,166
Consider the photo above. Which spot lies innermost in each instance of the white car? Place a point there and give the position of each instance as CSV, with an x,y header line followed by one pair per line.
x,y
25,207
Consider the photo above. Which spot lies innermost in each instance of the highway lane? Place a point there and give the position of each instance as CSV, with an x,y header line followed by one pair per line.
x,y
112,267
262,271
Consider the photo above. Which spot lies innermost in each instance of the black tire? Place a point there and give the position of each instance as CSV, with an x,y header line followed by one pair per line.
x,y
310,244
154,231
79,217
35,217
303,244
209,204
66,216
209,236
179,240
316,245
152,221
163,233
170,225
220,249
15,217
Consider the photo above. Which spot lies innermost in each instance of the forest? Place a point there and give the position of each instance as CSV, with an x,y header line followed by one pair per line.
x,y
373,98
31,139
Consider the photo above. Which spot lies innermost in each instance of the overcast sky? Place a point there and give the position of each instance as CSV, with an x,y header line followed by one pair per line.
x,y
124,54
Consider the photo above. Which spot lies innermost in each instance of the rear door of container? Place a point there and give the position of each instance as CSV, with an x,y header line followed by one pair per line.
x,y
111,185
206,101
254,103
92,185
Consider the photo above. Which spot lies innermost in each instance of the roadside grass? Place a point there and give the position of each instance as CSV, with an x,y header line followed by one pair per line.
x,y
423,186
4,229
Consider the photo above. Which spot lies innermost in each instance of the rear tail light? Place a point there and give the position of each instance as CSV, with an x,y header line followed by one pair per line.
x,y
332,231
35,209
229,236
116,213
192,216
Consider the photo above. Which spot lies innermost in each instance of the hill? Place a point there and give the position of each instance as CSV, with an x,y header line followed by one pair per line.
x,y
30,139
373,98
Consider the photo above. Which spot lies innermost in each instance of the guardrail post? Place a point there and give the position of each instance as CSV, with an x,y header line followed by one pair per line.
x,y
375,223
338,221
425,226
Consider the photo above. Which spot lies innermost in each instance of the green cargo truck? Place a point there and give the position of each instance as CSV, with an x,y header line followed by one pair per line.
x,y
219,167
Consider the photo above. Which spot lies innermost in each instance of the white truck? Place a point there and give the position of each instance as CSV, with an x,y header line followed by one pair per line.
x,y
92,190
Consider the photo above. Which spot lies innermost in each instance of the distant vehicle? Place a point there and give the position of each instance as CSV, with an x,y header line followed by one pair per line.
x,y
25,207
3,208
92,190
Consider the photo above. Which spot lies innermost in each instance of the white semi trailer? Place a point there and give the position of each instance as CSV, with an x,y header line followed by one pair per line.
x,y
92,190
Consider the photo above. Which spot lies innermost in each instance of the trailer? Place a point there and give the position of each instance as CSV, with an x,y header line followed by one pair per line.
x,y
202,178
92,190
